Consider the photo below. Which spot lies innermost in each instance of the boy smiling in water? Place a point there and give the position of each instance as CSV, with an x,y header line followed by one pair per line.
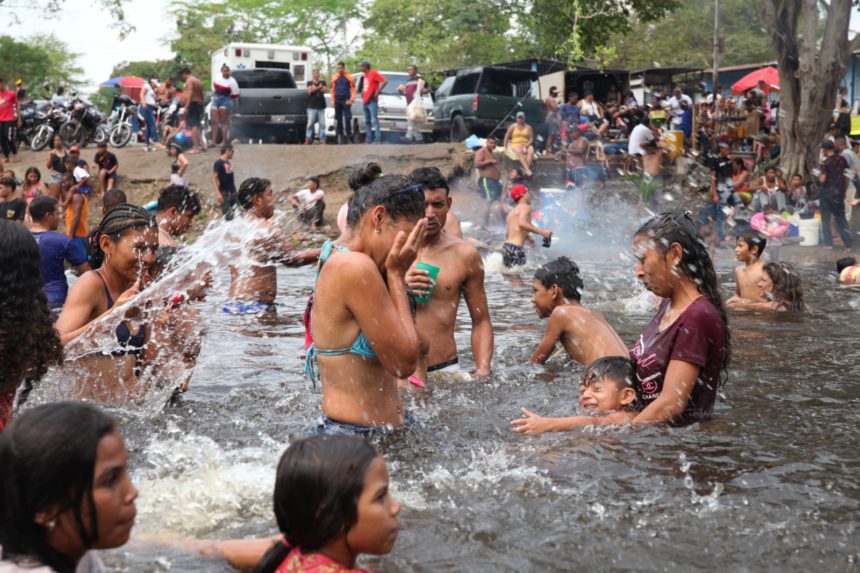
x,y
606,393
585,334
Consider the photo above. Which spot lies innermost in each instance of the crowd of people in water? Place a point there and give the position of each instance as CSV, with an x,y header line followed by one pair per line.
x,y
65,484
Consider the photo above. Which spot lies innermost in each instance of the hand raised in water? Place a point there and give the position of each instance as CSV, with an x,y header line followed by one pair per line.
x,y
530,423
405,250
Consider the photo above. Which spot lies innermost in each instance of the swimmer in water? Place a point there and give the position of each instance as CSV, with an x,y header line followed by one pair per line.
x,y
361,334
65,496
175,212
343,479
585,334
748,250
519,226
606,393
780,289
848,271
252,290
460,275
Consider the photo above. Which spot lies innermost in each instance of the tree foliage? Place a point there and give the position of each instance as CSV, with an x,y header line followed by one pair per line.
x,y
42,61
683,38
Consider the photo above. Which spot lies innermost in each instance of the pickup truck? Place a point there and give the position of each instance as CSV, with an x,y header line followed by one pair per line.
x,y
269,107
484,101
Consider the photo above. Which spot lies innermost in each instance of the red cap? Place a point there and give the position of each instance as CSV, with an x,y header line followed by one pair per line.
x,y
518,191
74,148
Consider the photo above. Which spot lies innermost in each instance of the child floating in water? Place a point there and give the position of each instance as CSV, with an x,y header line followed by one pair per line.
x,y
606,390
848,271
780,287
749,249
585,334
332,503
519,226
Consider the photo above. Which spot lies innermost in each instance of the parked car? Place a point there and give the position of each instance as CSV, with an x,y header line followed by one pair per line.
x,y
484,101
270,106
392,110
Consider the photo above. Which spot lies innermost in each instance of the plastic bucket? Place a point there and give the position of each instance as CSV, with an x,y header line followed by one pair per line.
x,y
673,141
808,230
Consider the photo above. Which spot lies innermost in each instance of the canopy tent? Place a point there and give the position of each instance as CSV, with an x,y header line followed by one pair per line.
x,y
130,85
769,75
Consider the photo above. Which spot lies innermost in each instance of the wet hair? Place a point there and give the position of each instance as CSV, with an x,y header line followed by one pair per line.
x,y
48,456
695,263
619,369
178,196
41,206
9,182
32,169
115,224
754,239
564,273
430,177
113,198
844,263
318,484
787,286
373,189
29,344
249,188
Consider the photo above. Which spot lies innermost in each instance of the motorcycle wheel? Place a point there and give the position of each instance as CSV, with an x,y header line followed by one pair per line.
x,y
72,133
41,138
101,134
120,135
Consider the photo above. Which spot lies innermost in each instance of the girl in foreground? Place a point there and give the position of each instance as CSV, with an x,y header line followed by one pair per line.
x,y
64,490
332,503
25,319
359,318
780,287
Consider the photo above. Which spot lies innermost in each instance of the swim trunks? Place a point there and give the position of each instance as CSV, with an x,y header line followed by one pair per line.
x,y
194,114
490,189
239,307
452,365
330,427
513,255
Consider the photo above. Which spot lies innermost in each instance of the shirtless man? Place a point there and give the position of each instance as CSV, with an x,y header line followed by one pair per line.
x,y
253,289
461,271
489,177
585,334
519,226
193,92
177,207
574,152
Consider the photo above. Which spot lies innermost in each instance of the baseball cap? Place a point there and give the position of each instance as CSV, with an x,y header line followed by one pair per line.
x,y
19,82
518,191
521,114
80,174
827,144
74,148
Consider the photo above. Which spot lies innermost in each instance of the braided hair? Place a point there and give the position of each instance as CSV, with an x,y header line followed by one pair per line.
x,y
121,219
695,263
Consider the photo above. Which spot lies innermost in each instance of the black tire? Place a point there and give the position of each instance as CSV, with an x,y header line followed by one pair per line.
x,y
459,133
101,134
41,138
72,133
120,135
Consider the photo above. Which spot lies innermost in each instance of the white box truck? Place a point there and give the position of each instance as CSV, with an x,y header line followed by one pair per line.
x,y
241,56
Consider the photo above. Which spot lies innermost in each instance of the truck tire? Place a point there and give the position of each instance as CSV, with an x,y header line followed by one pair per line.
x,y
458,129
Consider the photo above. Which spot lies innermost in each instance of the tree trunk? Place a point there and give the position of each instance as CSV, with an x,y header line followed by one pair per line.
x,y
809,74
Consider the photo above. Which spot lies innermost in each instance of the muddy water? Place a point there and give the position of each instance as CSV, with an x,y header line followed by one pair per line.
x,y
771,484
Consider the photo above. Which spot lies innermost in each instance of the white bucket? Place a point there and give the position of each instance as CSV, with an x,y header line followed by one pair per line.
x,y
808,230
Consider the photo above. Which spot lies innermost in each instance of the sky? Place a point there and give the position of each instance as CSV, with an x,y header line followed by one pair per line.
x,y
86,29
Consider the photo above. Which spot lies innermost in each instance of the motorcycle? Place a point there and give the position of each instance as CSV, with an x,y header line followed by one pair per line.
x,y
32,115
86,124
121,128
47,123
169,117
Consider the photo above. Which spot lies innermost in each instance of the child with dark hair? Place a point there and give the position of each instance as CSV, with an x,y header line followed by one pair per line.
x,y
175,211
519,226
112,198
585,334
332,503
748,250
309,203
606,393
848,271
780,289
253,290
11,208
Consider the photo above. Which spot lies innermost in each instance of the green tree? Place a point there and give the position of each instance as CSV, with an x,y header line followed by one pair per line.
x,y
42,61
679,40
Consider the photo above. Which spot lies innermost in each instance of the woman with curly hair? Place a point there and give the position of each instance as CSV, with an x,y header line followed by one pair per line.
x,y
29,345
781,289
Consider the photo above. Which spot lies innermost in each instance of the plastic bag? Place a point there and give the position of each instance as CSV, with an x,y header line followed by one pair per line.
x,y
415,112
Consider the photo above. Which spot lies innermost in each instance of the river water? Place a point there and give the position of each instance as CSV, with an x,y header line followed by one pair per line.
x,y
770,484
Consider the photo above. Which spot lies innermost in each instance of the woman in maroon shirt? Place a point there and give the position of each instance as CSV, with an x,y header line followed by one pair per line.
x,y
683,352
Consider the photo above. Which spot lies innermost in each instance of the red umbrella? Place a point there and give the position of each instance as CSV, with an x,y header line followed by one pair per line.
x,y
132,82
769,75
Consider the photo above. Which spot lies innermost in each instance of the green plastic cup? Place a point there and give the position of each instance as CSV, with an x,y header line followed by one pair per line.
x,y
432,272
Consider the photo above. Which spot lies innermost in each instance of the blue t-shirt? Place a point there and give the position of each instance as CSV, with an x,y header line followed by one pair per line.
x,y
54,250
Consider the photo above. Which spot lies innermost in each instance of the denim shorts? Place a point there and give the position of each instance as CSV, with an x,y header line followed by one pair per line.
x,y
222,102
330,427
